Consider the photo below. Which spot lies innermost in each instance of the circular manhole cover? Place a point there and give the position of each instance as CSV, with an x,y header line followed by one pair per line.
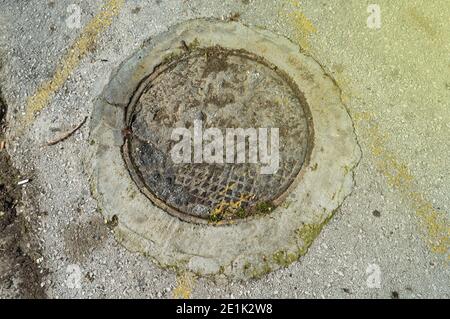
x,y
186,90
219,98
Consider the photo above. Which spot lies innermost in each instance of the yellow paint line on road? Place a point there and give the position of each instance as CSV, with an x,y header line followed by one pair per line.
x,y
304,28
70,61
435,223
185,284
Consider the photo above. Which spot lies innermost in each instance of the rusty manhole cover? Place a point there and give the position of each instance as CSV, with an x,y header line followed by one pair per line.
x,y
199,80
224,89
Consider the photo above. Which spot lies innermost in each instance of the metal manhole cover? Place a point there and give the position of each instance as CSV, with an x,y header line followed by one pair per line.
x,y
208,76
219,89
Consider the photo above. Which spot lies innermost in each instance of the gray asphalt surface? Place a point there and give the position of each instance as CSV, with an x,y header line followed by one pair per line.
x,y
395,82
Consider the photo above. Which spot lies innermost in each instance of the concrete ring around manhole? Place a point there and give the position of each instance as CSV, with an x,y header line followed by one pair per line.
x,y
220,218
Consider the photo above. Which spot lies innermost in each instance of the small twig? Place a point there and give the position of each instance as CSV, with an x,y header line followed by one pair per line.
x,y
2,145
68,134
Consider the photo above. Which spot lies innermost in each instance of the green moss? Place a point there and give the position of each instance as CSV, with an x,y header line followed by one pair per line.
x,y
256,272
308,232
194,44
241,213
284,258
260,272
264,208
215,218
228,213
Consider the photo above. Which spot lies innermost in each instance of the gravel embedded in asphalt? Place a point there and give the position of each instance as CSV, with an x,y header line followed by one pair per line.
x,y
394,82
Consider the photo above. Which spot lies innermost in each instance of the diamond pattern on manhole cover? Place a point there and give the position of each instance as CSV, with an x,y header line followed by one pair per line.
x,y
223,89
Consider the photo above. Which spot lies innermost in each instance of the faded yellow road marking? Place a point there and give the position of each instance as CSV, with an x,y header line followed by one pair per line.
x,y
303,26
185,284
71,59
435,223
